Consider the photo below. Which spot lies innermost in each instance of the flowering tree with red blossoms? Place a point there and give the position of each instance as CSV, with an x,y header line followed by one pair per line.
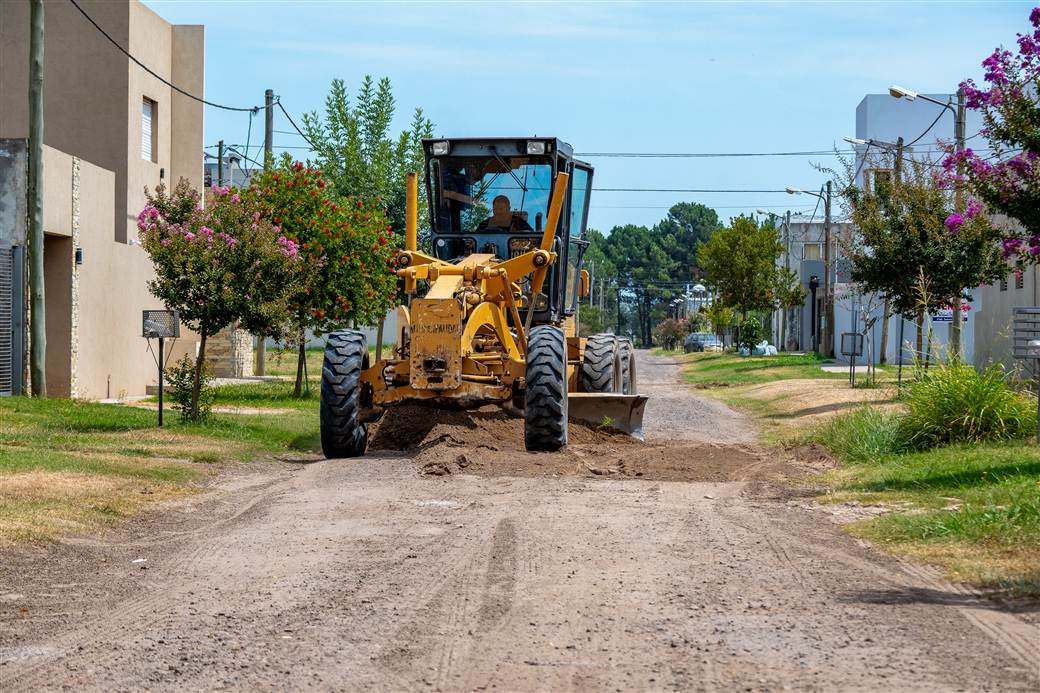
x,y
1008,180
346,246
217,265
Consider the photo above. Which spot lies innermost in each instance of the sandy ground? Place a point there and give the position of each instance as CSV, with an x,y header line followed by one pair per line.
x,y
388,573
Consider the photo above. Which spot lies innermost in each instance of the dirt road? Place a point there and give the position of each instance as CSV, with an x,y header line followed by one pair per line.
x,y
368,574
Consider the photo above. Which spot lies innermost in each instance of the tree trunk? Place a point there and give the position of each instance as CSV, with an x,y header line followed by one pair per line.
x,y
885,316
955,331
196,386
782,346
928,350
300,362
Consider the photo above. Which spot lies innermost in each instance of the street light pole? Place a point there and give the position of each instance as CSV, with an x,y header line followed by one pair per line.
x,y
958,200
828,304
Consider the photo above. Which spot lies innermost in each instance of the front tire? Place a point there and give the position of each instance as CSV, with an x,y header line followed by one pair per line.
x,y
600,367
545,390
342,432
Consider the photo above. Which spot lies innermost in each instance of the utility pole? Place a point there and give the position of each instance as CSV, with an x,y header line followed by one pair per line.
x,y
828,303
38,325
958,204
261,340
618,331
220,164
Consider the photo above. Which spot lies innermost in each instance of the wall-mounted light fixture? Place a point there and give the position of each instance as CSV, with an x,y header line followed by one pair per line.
x,y
79,256
162,173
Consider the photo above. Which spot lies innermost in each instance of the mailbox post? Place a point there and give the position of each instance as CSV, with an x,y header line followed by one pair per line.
x,y
161,325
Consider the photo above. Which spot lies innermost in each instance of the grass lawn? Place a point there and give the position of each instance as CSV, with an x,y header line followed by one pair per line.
x,y
68,466
975,510
282,362
787,393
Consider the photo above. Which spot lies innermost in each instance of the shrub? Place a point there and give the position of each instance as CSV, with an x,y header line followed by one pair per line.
x,y
954,403
180,379
863,435
750,333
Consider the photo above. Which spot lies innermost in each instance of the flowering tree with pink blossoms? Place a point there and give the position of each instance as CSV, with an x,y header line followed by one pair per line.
x,y
217,265
1008,178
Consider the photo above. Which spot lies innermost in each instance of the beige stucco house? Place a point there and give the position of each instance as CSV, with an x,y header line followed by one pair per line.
x,y
110,130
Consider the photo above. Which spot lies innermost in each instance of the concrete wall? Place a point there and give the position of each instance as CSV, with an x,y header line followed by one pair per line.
x,y
993,326
94,344
85,83
93,93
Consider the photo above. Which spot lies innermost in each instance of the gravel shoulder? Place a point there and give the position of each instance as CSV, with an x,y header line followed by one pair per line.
x,y
370,574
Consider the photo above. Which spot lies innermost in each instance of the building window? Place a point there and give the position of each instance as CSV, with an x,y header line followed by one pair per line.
x,y
1019,280
149,129
811,251
875,177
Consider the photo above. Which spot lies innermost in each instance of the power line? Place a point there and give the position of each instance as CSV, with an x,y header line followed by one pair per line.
x,y
684,190
295,126
747,206
710,155
147,69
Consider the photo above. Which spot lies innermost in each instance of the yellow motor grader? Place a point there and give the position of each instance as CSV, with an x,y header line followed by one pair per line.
x,y
491,316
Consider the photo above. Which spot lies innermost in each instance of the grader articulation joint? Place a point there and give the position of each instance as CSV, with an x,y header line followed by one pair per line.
x,y
498,320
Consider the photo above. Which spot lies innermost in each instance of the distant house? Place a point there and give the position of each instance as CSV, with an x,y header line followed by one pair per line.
x,y
111,130
233,173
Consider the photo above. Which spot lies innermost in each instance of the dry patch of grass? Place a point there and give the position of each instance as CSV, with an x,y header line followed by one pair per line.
x,y
73,467
42,506
786,408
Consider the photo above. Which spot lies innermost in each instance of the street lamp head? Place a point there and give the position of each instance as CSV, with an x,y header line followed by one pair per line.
x,y
761,211
902,93
855,140
699,288
793,191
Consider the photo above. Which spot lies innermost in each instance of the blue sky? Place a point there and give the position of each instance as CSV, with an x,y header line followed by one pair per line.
x,y
608,77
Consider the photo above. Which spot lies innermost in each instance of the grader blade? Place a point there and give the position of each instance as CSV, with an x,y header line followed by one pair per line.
x,y
621,412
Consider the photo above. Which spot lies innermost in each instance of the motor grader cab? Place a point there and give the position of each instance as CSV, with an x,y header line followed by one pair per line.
x,y
491,314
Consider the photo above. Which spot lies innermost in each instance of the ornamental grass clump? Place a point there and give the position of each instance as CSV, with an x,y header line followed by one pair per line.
x,y
954,403
864,435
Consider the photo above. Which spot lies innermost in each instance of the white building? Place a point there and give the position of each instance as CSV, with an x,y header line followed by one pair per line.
x,y
987,326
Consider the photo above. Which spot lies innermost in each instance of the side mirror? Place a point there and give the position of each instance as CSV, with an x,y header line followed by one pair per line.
x,y
583,285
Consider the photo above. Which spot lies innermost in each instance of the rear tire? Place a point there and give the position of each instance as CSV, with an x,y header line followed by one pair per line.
x,y
545,391
600,367
342,432
627,355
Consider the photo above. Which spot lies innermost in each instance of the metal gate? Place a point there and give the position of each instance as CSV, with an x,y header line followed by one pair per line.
x,y
6,321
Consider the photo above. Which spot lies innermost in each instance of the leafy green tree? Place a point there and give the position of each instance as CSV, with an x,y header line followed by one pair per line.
x,y
645,270
911,245
346,246
358,153
721,319
679,233
739,261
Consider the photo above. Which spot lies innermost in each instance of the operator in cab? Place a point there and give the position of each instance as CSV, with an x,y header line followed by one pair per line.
x,y
502,217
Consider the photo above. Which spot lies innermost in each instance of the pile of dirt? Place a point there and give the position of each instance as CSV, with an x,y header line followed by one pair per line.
x,y
490,442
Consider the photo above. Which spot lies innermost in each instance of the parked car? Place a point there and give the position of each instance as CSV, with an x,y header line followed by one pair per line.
x,y
701,341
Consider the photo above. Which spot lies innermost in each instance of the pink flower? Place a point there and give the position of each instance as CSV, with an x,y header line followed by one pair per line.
x,y
189,236
954,222
236,198
164,242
